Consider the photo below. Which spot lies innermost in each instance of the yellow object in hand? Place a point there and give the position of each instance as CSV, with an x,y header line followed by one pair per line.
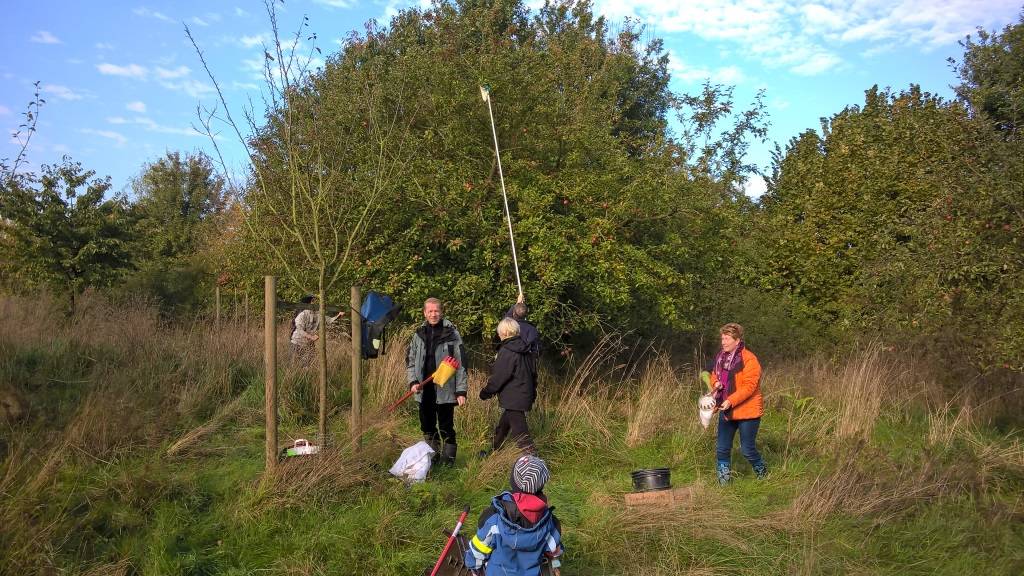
x,y
445,371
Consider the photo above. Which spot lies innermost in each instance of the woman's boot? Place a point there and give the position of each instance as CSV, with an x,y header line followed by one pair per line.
x,y
724,474
761,469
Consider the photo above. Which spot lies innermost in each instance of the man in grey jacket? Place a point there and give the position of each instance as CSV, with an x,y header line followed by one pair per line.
x,y
432,341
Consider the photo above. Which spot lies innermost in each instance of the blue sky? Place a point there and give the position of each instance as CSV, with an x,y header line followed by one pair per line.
x,y
122,82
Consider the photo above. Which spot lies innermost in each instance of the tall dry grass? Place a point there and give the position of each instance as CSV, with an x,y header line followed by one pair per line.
x,y
139,383
865,384
317,478
151,385
595,394
384,379
663,400
954,420
870,383
864,483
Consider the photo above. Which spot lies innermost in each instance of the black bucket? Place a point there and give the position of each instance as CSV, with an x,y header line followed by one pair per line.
x,y
651,479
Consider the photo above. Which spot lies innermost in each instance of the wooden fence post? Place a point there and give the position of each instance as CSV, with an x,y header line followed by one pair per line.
x,y
270,366
357,388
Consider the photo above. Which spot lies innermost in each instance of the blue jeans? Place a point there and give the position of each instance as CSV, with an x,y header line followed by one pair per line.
x,y
748,434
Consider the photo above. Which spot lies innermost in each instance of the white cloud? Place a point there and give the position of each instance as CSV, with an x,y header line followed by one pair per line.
x,y
878,50
109,134
147,13
304,63
255,65
819,19
689,74
337,3
755,186
60,149
61,92
75,61
152,126
206,19
190,86
816,64
5,111
805,36
241,13
129,71
244,85
179,72
44,37
136,106
392,8
104,46
251,41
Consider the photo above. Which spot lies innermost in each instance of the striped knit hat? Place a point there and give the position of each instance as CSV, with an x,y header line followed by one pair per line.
x,y
529,474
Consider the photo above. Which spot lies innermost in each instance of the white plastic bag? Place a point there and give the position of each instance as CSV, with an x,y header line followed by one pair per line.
x,y
414,463
706,408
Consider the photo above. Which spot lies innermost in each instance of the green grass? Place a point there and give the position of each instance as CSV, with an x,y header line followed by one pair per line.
x,y
108,506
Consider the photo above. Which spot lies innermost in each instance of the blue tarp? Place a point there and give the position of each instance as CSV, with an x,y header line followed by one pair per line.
x,y
377,311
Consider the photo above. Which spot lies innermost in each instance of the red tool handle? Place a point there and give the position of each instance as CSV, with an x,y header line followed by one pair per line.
x,y
450,361
408,394
455,533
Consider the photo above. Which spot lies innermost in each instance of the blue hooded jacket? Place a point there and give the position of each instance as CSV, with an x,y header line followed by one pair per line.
x,y
510,544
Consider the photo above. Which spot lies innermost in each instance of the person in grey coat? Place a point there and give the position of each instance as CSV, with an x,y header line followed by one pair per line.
x,y
435,339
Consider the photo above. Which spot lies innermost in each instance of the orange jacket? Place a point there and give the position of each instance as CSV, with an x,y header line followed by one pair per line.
x,y
746,399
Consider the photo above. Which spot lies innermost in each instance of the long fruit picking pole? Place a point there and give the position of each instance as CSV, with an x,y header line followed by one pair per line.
x,y
486,95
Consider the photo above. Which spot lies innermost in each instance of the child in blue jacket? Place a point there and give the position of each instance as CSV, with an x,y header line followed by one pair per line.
x,y
518,529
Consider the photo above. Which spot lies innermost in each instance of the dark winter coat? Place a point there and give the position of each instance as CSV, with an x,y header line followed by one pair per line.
x,y
513,377
528,332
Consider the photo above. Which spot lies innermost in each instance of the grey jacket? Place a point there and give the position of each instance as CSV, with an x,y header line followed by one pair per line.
x,y
450,344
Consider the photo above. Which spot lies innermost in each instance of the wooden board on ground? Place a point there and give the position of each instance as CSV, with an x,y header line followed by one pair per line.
x,y
676,496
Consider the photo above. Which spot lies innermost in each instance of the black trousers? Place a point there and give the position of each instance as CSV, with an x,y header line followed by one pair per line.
x,y
437,420
512,424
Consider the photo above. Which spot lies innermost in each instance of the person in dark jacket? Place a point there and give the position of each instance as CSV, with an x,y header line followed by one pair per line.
x,y
527,331
518,530
514,381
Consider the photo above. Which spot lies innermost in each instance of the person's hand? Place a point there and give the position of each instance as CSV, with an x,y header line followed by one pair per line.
x,y
521,298
718,386
725,406
415,386
461,400
339,314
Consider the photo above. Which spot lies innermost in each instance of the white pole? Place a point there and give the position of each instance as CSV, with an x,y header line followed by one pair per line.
x,y
501,177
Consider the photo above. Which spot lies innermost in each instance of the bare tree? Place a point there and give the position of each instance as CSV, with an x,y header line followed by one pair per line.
x,y
319,170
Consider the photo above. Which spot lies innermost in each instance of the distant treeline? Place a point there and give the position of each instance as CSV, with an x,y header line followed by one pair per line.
x,y
899,219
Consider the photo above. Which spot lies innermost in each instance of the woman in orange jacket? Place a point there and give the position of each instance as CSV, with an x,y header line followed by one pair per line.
x,y
736,381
